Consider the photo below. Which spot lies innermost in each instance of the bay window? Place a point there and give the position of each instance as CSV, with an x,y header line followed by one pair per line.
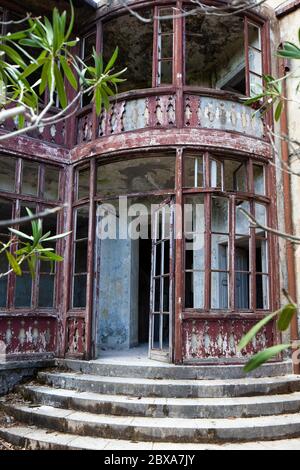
x,y
37,186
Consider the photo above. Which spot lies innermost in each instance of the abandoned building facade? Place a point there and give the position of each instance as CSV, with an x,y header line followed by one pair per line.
x,y
178,133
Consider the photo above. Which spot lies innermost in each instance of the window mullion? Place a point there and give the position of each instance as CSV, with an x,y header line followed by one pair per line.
x,y
207,218
232,225
252,260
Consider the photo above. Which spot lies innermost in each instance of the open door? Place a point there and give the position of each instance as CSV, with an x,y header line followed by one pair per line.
x,y
162,283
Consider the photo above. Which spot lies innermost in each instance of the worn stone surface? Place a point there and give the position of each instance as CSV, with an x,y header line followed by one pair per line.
x,y
13,373
34,438
172,388
119,405
125,364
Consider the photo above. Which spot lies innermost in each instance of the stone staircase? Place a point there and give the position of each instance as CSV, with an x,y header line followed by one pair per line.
x,y
92,405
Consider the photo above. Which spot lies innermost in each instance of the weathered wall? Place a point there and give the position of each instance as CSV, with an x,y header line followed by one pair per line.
x,y
288,25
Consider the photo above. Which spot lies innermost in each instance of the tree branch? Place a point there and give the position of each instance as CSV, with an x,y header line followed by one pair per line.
x,y
24,220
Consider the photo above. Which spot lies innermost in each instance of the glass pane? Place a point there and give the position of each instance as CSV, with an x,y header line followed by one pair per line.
x,y
7,174
46,291
193,172
135,41
81,256
88,43
194,289
166,23
166,294
83,183
158,250
215,174
5,214
30,178
262,256
242,254
242,223
156,332
255,61
165,332
165,72
23,291
254,36
262,291
82,225
219,252
166,257
194,220
156,306
242,291
255,84
261,217
219,290
79,293
194,252
3,291
137,175
219,215
51,192
259,179
214,52
165,48
234,176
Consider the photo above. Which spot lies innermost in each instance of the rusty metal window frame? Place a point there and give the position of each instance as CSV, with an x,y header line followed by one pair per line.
x,y
19,200
232,197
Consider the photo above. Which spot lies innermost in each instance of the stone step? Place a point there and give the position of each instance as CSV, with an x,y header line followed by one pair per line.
x,y
157,429
141,369
172,388
163,407
33,438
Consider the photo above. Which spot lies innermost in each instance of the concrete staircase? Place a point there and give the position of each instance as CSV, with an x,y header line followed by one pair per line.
x,y
106,405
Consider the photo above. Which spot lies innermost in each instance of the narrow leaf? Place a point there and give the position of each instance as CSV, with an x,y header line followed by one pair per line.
x,y
285,316
14,264
264,356
250,335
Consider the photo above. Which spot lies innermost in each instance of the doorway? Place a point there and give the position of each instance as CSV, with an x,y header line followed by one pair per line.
x,y
123,285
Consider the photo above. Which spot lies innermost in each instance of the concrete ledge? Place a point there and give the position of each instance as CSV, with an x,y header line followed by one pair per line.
x,y
15,372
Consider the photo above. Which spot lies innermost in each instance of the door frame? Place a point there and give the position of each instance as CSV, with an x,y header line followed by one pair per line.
x,y
160,354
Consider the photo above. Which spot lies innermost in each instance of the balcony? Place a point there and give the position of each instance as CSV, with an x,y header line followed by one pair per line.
x,y
162,108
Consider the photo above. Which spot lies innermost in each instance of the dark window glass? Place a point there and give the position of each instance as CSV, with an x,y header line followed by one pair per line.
x,y
83,183
30,178
215,56
7,173
51,191
138,175
134,39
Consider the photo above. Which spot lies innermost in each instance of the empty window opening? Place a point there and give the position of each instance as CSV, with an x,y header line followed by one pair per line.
x,y
214,54
134,39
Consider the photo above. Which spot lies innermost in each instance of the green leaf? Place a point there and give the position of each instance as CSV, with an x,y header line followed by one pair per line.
x,y
14,264
98,100
53,256
112,60
60,87
20,234
263,356
12,54
285,316
30,69
250,335
278,111
68,73
57,237
71,24
44,77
